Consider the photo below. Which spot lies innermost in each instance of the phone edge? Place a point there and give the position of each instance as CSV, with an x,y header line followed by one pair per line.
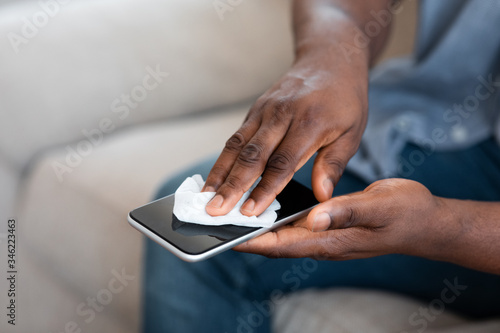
x,y
210,253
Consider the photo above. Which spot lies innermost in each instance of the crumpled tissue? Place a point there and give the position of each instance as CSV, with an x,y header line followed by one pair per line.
x,y
190,205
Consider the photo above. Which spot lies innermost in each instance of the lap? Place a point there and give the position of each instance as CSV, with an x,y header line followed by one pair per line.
x,y
468,174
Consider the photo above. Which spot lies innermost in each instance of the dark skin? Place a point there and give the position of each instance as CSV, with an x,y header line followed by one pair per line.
x,y
320,105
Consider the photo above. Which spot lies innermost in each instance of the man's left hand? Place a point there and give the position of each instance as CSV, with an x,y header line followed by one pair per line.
x,y
389,216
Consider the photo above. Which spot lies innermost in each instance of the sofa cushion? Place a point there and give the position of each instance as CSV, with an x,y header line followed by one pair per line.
x,y
9,179
67,65
345,310
77,230
45,302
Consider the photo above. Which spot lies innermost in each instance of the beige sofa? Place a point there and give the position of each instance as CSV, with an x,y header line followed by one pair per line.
x,y
101,101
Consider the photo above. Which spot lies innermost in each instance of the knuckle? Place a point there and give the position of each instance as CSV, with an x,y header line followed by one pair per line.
x,y
252,118
276,251
233,183
335,163
258,108
321,253
262,101
323,249
266,187
251,154
352,217
281,110
310,119
280,162
235,143
219,172
339,245
217,176
274,254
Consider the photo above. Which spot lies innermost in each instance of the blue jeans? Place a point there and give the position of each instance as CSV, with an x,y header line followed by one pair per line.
x,y
236,292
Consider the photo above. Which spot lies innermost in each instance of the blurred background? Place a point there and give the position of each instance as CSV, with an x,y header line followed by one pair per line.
x,y
100,102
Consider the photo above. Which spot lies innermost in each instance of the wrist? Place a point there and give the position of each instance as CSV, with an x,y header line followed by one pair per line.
x,y
322,60
445,227
335,46
435,231
331,55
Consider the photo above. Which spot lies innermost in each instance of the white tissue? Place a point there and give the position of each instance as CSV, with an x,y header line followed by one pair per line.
x,y
190,203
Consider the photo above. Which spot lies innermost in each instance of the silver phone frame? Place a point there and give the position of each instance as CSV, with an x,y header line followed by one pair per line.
x,y
221,248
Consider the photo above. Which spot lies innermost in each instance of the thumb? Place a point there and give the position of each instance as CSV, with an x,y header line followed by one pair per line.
x,y
341,212
329,166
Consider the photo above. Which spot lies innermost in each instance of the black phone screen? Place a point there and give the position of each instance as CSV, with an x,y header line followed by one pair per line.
x,y
195,239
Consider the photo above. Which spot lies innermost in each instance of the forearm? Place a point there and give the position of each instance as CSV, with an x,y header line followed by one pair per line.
x,y
468,234
333,31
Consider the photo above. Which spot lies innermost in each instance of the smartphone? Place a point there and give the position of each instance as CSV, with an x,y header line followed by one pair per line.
x,y
194,242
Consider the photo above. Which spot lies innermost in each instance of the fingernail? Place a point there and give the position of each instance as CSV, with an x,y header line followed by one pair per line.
x,y
321,222
216,202
328,186
209,189
248,206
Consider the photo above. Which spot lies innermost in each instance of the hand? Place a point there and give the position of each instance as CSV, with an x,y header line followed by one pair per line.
x,y
389,216
309,110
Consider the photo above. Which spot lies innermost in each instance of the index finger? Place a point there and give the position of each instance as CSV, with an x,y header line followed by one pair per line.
x,y
299,242
247,168
229,154
285,242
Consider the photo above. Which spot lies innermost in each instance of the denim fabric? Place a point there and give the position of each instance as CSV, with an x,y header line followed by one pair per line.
x,y
235,292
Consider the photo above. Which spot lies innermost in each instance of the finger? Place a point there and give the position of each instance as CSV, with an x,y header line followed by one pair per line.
x,y
296,242
284,242
289,157
229,154
329,166
247,167
353,210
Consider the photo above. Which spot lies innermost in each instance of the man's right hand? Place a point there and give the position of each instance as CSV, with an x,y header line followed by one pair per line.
x,y
319,105
307,111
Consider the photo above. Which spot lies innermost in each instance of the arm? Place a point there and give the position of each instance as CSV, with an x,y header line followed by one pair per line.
x,y
321,25
319,105
474,235
392,216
